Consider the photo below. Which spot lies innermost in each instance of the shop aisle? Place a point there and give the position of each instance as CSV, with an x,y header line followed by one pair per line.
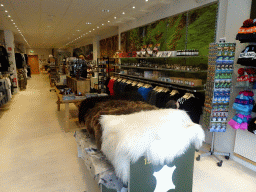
x,y
37,155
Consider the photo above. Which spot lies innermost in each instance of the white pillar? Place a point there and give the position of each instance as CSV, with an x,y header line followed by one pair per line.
x,y
9,43
237,12
96,48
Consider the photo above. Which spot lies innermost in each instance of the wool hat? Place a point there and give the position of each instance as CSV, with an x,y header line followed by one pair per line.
x,y
248,56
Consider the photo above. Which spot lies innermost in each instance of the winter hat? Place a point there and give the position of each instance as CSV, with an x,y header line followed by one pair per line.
x,y
244,101
248,56
252,126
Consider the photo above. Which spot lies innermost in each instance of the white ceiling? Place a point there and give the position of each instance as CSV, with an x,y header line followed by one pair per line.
x,y
57,23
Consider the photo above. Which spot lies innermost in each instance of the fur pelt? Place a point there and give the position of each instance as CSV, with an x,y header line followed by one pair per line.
x,y
159,135
92,108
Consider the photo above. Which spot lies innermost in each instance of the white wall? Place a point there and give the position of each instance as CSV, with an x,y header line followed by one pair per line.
x,y
237,12
43,54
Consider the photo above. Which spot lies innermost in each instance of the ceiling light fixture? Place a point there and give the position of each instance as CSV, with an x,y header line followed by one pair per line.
x,y
90,31
146,0
9,15
102,24
109,21
13,23
6,11
11,19
97,27
93,29
114,17
123,13
2,5
133,7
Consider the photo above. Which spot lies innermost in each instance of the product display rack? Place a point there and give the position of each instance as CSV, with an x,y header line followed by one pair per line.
x,y
217,95
103,66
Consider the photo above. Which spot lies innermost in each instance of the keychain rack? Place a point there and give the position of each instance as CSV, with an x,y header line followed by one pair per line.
x,y
218,87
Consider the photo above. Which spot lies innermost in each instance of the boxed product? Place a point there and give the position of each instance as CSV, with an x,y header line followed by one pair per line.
x,y
156,75
193,82
148,74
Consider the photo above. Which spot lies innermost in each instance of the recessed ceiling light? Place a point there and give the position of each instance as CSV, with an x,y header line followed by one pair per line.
x,y
133,7
102,24
2,5
109,21
11,20
18,30
114,17
93,29
13,23
123,13
16,26
9,15
5,11
146,0
97,27
90,31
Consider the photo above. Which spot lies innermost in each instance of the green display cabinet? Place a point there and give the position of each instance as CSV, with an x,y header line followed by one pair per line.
x,y
176,176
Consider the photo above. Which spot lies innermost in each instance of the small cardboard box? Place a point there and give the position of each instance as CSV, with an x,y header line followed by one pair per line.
x,y
193,82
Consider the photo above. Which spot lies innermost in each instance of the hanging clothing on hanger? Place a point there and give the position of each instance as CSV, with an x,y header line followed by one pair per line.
x,y
192,105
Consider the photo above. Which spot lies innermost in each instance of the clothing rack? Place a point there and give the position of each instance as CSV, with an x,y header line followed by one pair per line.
x,y
164,85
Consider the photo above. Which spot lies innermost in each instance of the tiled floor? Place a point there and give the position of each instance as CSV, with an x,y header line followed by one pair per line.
x,y
37,155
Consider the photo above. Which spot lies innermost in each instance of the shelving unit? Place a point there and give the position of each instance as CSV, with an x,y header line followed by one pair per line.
x,y
165,69
162,69
102,66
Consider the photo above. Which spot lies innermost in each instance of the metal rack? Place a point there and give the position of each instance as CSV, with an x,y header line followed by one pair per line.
x,y
165,84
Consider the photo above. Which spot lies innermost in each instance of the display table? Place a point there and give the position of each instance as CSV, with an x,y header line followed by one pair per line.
x,y
76,101
175,176
78,85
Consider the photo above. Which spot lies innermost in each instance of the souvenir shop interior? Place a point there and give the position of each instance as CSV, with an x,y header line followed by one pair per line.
x,y
128,96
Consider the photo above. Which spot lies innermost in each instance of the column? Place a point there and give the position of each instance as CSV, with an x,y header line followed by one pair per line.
x,y
96,48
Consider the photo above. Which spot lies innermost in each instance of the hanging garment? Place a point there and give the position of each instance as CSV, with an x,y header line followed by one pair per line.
x,y
192,106
144,92
111,86
4,61
19,60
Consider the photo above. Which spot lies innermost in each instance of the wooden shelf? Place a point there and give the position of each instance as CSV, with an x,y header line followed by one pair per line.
x,y
155,57
164,69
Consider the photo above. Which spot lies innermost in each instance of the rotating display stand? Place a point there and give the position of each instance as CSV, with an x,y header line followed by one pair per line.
x,y
217,96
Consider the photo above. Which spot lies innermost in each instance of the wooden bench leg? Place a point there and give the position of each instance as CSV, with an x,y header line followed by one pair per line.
x,y
58,104
67,117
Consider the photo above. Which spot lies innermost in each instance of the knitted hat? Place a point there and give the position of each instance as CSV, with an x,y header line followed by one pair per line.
x,y
248,56
252,126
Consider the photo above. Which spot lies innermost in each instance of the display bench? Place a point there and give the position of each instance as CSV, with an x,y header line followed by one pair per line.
x,y
176,176
67,111
78,85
